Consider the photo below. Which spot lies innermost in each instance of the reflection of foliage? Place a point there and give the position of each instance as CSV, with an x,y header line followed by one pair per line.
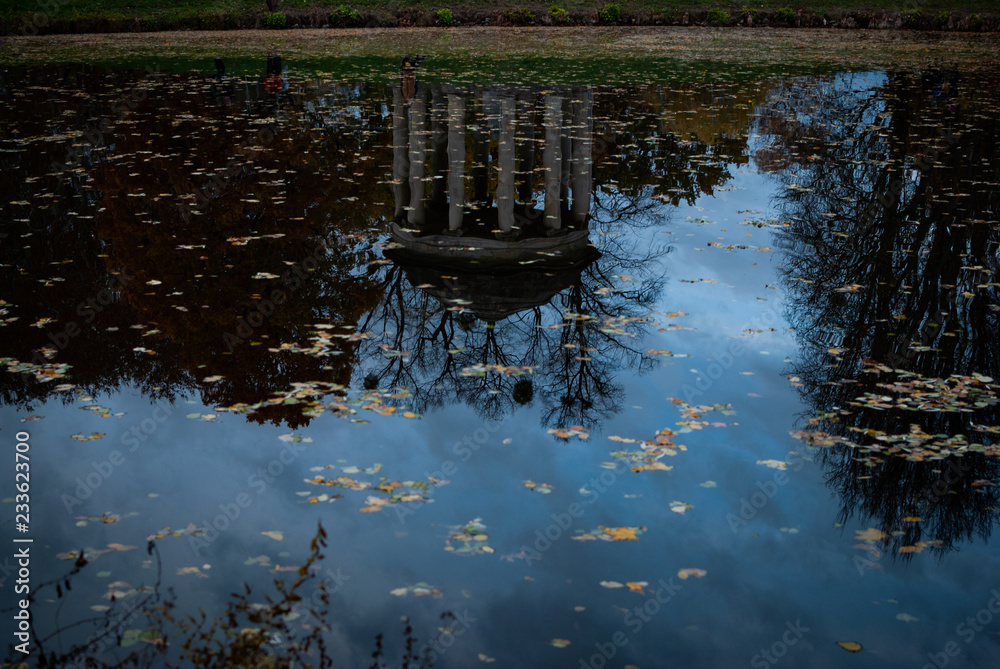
x,y
890,239
267,634
183,271
250,195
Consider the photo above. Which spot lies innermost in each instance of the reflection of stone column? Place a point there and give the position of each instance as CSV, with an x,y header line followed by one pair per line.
x,y
418,156
525,148
552,159
505,177
456,161
480,155
582,163
400,158
439,147
567,152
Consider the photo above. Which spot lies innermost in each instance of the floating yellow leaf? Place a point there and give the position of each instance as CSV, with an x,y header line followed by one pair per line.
x,y
655,466
120,547
621,533
277,536
773,464
636,586
691,571
851,646
871,534
559,643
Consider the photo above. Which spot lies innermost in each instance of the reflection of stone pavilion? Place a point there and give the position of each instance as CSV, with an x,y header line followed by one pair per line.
x,y
469,166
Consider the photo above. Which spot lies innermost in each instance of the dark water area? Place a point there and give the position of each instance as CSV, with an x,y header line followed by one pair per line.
x,y
680,374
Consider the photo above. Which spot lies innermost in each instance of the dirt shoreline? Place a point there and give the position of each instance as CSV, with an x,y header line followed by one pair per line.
x,y
500,15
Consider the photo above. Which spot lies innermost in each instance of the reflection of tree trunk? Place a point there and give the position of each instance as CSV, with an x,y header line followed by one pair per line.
x,y
505,178
552,159
456,161
418,157
583,125
400,157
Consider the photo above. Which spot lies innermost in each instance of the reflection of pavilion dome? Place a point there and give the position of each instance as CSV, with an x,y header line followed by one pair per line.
x,y
493,278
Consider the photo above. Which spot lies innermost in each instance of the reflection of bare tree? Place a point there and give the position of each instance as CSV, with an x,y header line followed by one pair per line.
x,y
890,247
481,293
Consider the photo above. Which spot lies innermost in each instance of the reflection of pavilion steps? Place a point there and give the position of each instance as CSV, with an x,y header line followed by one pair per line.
x,y
493,278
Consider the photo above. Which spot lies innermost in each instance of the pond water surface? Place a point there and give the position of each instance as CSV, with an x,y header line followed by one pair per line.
x,y
696,372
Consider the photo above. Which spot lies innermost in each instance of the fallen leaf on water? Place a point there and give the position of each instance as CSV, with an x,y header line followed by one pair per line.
x,y
636,586
680,507
773,464
277,536
622,533
871,534
611,584
120,547
906,618
851,646
559,643
684,574
486,658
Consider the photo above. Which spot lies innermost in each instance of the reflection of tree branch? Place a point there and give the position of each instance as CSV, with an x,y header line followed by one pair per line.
x,y
877,253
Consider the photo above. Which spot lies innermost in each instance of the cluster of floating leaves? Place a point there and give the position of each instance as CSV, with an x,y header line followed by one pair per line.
x,y
393,492
650,455
312,396
916,445
418,590
914,393
871,537
43,372
503,370
468,539
603,533
540,488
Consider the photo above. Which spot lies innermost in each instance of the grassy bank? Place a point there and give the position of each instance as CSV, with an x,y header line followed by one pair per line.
x,y
609,55
35,17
